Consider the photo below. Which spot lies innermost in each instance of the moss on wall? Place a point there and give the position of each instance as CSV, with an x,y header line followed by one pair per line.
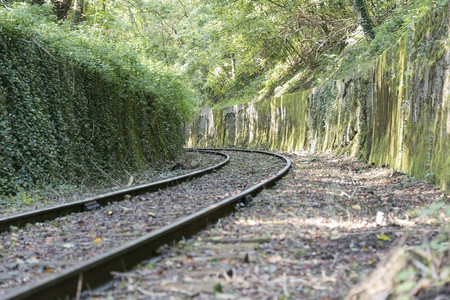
x,y
396,112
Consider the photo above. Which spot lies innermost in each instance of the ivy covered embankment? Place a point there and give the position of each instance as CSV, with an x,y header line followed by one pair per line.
x,y
395,111
74,106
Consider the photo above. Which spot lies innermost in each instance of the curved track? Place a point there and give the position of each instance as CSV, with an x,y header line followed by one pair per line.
x,y
96,271
91,203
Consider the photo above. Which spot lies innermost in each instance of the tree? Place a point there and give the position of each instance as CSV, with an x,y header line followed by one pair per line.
x,y
61,8
78,15
365,20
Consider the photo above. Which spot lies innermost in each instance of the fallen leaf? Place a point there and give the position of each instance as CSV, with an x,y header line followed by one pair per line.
x,y
356,207
274,259
383,237
98,240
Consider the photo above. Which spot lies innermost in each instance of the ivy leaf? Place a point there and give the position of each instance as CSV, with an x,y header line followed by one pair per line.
x,y
383,237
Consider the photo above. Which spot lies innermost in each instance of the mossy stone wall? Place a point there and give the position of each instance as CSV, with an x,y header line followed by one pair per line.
x,y
395,112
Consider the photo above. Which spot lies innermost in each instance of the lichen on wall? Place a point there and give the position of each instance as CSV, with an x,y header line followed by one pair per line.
x,y
394,113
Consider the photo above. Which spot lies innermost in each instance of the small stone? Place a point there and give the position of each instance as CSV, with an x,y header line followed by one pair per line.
x,y
380,219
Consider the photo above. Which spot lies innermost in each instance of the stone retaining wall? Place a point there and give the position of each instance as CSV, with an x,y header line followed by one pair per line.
x,y
396,112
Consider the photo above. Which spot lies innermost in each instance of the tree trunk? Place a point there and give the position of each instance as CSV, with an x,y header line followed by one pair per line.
x,y
79,11
61,8
233,66
365,20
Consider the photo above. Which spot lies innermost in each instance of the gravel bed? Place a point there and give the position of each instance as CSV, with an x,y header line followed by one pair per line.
x,y
26,201
45,248
320,230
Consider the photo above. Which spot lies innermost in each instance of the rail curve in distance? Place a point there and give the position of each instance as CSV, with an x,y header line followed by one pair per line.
x,y
52,212
97,271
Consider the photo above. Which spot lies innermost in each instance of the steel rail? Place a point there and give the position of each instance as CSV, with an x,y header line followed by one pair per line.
x,y
97,271
52,212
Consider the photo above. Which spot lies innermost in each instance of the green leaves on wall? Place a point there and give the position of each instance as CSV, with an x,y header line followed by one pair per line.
x,y
72,104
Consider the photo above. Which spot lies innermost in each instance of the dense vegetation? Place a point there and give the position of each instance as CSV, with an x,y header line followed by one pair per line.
x,y
241,50
92,90
393,112
75,106
76,73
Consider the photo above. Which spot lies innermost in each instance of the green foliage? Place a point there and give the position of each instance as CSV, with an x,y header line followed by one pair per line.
x,y
393,19
74,106
25,197
322,107
232,51
295,45
427,274
437,212
365,20
82,99
273,40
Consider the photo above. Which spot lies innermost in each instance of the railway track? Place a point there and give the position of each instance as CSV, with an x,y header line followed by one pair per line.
x,y
49,213
118,236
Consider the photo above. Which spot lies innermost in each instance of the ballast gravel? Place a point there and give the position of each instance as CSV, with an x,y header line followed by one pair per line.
x,y
188,162
322,229
30,253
